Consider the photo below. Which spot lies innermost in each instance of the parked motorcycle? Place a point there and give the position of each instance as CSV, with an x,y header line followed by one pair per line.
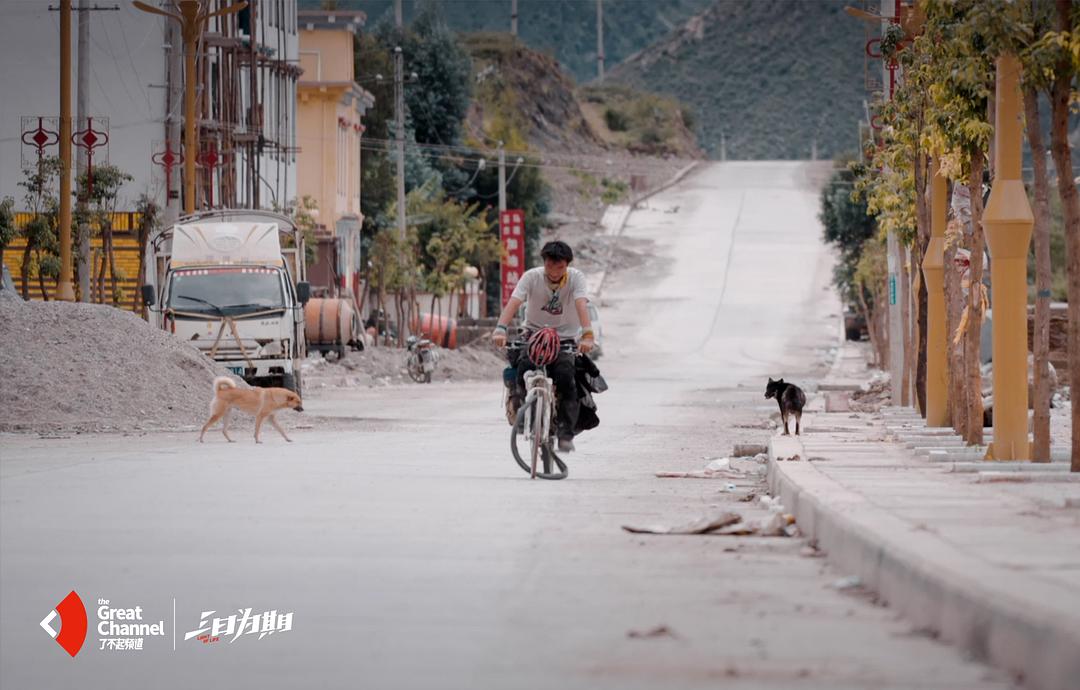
x,y
422,359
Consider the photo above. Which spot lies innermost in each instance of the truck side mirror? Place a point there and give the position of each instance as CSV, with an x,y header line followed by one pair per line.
x,y
303,292
149,296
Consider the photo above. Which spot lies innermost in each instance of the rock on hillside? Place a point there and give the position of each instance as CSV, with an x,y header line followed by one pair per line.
x,y
521,94
772,75
594,141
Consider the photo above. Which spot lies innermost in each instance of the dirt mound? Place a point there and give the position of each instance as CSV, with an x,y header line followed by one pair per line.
x,y
383,366
526,92
85,367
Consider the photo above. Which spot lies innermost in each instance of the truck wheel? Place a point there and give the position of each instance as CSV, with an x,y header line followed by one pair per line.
x,y
293,383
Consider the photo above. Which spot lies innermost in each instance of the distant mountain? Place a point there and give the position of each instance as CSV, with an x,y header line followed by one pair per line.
x,y
769,76
565,29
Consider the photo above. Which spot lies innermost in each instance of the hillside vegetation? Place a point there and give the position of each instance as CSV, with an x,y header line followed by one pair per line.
x,y
772,76
564,29
522,98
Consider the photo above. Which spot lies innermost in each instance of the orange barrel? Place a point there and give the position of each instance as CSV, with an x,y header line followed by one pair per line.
x,y
440,330
328,321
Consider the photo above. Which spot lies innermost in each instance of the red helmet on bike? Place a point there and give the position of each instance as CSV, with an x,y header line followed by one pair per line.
x,y
544,346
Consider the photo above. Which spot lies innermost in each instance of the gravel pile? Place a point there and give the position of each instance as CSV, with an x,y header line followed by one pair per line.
x,y
383,366
71,367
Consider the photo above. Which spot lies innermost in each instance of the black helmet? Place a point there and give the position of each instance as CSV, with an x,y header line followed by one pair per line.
x,y
557,251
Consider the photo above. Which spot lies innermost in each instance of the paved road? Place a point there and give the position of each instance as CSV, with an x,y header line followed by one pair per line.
x,y
414,554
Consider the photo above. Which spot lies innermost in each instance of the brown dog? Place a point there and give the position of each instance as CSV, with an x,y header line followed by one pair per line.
x,y
261,402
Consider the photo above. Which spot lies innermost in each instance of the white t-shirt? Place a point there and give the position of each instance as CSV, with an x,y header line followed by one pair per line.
x,y
556,308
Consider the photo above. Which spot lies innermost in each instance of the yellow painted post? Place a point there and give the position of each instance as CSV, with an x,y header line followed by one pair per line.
x,y
192,27
937,389
192,17
64,288
1008,221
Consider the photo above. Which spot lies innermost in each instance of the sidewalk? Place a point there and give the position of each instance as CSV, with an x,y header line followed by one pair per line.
x,y
985,555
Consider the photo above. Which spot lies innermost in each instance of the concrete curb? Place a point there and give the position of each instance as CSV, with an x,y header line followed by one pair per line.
x,y
618,229
932,582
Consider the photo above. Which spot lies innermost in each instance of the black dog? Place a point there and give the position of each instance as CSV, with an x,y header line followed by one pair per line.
x,y
791,400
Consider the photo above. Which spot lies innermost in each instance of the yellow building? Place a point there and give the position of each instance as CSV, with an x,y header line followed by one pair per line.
x,y
329,126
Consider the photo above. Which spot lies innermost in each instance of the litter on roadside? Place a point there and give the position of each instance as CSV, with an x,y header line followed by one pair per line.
x,y
702,525
850,582
722,468
779,524
743,450
658,631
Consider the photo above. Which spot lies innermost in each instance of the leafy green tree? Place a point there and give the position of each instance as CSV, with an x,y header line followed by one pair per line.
x,y
102,197
438,99
853,231
149,222
40,254
8,231
453,236
847,226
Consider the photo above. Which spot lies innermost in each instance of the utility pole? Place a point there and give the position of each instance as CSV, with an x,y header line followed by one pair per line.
x,y
64,289
399,120
890,9
600,40
399,117
513,18
174,41
502,178
81,113
723,146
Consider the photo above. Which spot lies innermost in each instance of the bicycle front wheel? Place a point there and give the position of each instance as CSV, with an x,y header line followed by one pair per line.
x,y
539,433
518,448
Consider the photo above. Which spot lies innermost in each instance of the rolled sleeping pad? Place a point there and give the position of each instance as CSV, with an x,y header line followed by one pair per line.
x,y
440,330
328,321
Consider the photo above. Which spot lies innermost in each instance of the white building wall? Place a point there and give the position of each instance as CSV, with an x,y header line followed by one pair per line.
x,y
126,65
126,84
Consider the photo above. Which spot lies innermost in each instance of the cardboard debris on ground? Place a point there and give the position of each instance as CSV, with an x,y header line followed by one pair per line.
x,y
702,525
743,450
658,631
723,468
778,524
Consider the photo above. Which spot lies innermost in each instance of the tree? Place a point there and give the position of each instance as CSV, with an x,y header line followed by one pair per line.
x,y
8,231
849,228
961,81
39,232
149,221
453,236
102,197
1064,71
439,101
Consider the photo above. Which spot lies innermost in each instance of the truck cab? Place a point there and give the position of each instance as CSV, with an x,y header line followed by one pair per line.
x,y
232,283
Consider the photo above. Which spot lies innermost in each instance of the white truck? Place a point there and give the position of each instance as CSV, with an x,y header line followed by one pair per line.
x,y
233,283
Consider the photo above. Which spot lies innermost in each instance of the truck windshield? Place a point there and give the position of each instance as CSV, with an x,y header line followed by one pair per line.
x,y
235,290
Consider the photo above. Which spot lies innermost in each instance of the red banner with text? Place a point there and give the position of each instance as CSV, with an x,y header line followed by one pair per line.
x,y
512,232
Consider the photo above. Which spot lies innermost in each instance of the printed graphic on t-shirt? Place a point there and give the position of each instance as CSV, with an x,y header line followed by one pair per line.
x,y
554,305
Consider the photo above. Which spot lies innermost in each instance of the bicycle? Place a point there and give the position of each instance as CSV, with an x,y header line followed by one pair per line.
x,y
535,421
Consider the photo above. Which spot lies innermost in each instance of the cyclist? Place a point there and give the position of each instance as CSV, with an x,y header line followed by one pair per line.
x,y
555,297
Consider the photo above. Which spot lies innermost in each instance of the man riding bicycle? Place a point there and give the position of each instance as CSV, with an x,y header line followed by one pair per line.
x,y
555,297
